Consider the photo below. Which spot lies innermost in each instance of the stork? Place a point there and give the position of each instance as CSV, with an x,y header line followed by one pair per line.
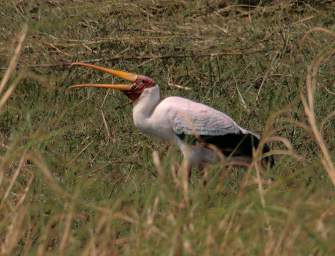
x,y
202,133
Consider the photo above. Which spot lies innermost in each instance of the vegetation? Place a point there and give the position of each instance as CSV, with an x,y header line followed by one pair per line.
x,y
77,178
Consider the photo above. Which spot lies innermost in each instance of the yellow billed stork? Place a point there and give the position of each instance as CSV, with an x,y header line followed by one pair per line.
x,y
201,132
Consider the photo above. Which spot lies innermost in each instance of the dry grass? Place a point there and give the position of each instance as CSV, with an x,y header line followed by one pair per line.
x,y
77,178
311,83
15,220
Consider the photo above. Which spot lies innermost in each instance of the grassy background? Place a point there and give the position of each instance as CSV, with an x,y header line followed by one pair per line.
x,y
78,178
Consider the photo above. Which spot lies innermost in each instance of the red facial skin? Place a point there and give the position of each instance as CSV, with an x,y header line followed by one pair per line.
x,y
141,83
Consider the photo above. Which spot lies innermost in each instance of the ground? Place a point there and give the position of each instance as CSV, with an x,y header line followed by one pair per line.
x,y
78,178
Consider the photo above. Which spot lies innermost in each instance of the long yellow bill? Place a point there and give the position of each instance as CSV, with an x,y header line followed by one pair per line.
x,y
120,87
122,74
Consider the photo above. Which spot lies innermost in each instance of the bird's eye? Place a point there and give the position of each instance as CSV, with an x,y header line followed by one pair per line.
x,y
134,87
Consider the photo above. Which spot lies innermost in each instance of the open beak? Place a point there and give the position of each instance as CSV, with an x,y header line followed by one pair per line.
x,y
122,74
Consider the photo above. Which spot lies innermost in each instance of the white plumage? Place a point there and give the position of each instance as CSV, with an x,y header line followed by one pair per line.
x,y
175,116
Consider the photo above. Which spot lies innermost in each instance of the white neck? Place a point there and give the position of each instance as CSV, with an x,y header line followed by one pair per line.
x,y
144,107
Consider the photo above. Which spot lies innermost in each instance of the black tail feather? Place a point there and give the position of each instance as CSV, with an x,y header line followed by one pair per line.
x,y
239,145
232,144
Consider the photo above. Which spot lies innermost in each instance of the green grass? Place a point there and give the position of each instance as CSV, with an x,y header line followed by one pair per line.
x,y
84,188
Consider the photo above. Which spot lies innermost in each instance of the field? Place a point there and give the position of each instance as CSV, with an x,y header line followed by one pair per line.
x,y
76,177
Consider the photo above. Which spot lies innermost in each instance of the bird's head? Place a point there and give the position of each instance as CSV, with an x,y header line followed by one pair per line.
x,y
132,90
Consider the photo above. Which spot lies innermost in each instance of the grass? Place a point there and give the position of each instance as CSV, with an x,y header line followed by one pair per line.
x,y
78,178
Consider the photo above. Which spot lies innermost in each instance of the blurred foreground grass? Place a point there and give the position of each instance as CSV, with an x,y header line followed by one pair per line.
x,y
78,178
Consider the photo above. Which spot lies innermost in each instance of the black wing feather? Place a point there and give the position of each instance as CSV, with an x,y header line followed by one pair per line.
x,y
230,144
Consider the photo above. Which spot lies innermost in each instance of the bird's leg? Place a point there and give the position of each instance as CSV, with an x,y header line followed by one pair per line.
x,y
186,171
187,165
186,176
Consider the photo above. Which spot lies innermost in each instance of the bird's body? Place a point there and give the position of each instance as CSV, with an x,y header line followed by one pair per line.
x,y
193,126
202,133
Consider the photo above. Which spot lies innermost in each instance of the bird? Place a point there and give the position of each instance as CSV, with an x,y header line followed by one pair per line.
x,y
203,134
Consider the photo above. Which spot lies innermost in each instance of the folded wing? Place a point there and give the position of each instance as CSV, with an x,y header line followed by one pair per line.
x,y
196,123
192,118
